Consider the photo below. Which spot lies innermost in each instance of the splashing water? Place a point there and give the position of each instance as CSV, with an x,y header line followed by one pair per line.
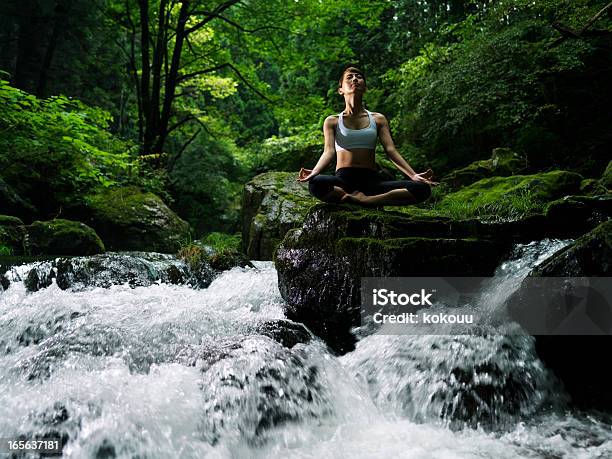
x,y
168,371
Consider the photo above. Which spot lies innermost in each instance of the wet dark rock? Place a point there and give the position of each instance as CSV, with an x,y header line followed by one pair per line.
x,y
590,255
285,332
320,265
4,282
137,269
573,216
104,270
256,386
63,237
39,277
106,450
223,261
272,204
86,340
201,275
574,358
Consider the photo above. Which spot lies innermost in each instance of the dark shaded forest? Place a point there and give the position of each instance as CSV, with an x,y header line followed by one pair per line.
x,y
189,100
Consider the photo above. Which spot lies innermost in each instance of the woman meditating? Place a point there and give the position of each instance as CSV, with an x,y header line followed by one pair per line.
x,y
351,136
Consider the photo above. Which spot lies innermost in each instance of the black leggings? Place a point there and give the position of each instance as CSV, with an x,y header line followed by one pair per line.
x,y
365,180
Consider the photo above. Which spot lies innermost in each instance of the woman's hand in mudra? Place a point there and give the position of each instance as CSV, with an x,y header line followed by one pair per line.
x,y
306,174
425,177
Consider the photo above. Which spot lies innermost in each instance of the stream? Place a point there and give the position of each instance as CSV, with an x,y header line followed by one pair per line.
x,y
169,371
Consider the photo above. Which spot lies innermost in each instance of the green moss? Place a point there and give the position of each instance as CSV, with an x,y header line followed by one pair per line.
x,y
223,241
7,220
508,197
12,232
129,219
503,162
606,178
122,204
220,250
193,254
63,237
592,187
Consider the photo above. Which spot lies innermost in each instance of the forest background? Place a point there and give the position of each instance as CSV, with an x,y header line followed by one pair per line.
x,y
191,99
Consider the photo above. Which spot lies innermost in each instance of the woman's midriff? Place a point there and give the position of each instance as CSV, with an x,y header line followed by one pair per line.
x,y
357,157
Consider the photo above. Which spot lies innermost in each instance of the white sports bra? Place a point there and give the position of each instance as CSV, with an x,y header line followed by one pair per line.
x,y
356,138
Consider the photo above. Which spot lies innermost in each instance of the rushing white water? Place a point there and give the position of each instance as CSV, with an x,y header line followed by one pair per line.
x,y
167,371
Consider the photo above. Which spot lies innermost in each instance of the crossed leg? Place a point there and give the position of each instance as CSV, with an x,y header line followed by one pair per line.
x,y
329,188
398,197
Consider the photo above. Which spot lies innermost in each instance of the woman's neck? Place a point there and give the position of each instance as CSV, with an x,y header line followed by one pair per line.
x,y
353,104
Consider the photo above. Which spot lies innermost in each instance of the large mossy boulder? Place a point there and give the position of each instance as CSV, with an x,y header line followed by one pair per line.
x,y
130,219
62,237
503,162
12,235
575,359
320,265
272,204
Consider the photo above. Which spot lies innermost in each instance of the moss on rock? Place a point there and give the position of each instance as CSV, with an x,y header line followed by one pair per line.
x,y
63,237
130,219
510,196
12,234
606,178
503,162
273,203
592,187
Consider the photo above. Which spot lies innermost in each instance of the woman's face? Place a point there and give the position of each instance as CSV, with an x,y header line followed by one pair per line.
x,y
352,82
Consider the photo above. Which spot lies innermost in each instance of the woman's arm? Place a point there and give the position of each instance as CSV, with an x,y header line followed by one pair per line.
x,y
384,133
329,151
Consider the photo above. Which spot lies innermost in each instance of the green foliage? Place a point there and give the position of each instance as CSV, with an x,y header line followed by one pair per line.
x,y
60,145
496,82
207,182
222,242
220,250
284,153
5,250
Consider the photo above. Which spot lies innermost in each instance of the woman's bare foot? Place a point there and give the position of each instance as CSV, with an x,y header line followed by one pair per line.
x,y
356,197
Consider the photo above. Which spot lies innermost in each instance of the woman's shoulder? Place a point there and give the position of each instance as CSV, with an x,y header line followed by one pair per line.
x,y
379,118
378,115
331,120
